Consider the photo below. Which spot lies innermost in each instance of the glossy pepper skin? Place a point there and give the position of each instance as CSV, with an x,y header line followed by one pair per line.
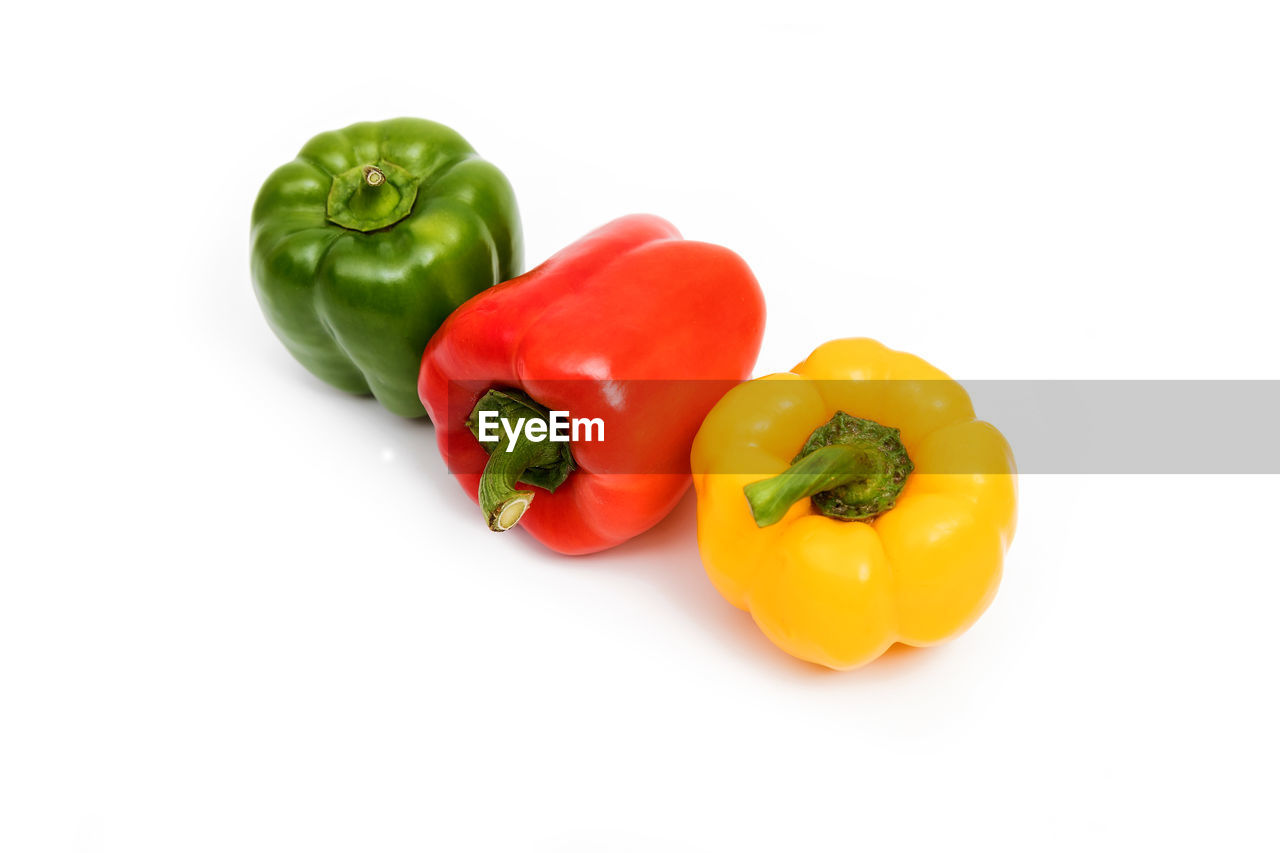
x,y
364,243
631,324
839,592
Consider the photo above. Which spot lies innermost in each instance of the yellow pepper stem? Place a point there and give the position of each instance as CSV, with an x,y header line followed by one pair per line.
x,y
852,468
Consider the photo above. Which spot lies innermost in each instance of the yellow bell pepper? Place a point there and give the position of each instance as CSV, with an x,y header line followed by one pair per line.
x,y
854,503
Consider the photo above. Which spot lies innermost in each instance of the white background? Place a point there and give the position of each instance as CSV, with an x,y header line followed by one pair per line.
x,y
241,611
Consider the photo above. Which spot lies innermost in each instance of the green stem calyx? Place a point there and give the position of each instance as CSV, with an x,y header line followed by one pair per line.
x,y
513,457
851,468
369,197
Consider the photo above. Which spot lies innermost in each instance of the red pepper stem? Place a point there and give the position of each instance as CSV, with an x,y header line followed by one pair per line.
x,y
514,457
503,504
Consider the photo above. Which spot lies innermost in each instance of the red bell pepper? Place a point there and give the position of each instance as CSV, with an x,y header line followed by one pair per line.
x,y
632,325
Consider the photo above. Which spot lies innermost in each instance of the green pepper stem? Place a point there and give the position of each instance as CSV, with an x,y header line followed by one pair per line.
x,y
371,197
502,503
823,469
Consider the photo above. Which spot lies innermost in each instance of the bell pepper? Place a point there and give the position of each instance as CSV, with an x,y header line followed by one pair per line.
x,y
365,242
631,325
853,503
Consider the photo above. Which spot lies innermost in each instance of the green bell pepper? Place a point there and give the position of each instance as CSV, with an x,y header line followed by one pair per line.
x,y
365,242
